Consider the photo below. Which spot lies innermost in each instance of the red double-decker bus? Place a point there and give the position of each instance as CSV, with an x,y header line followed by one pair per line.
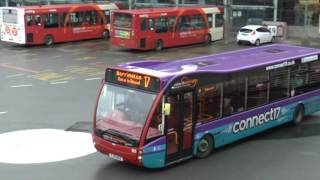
x,y
158,28
55,23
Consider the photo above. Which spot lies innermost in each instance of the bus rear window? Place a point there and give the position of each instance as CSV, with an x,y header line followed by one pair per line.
x,y
10,16
123,20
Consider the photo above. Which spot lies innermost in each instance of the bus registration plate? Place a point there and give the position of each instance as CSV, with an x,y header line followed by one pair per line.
x,y
113,156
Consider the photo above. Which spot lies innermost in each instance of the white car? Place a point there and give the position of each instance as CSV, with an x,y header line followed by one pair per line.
x,y
254,34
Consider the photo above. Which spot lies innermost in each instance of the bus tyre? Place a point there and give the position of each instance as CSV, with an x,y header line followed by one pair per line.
x,y
298,115
48,40
207,39
205,146
159,45
257,43
105,34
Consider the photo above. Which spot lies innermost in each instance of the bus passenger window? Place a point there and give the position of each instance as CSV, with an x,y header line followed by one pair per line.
x,y
37,20
209,103
219,20
51,20
210,20
184,23
161,24
298,79
62,20
234,96
172,21
279,84
150,24
257,90
197,22
29,20
154,129
314,75
143,24
107,16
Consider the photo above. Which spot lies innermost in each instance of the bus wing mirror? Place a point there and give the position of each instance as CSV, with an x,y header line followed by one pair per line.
x,y
167,109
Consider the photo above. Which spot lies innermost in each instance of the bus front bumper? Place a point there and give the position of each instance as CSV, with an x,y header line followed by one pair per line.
x,y
117,152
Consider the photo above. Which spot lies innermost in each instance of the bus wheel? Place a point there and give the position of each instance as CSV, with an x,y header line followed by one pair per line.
x,y
159,45
257,43
205,146
48,40
298,115
207,39
105,34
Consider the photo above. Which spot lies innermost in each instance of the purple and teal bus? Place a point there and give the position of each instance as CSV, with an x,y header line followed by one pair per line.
x,y
157,113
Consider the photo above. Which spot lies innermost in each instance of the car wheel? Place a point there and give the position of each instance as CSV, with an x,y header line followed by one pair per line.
x,y
257,43
298,115
159,45
205,146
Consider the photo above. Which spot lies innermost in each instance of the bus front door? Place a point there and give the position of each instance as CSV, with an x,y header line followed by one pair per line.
x,y
179,126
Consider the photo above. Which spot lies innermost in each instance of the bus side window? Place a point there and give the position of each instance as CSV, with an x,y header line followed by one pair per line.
x,y
184,23
37,20
172,21
209,103
210,20
62,20
197,22
90,17
234,96
314,75
279,81
161,24
51,20
150,24
154,131
257,94
219,20
143,24
75,19
29,20
107,16
298,79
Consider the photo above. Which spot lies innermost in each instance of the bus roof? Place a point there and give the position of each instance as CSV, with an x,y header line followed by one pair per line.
x,y
161,10
222,63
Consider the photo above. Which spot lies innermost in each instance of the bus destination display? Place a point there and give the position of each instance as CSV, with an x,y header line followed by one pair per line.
x,y
132,79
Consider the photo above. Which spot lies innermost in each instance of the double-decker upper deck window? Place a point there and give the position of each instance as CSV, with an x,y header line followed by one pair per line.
x,y
10,16
161,24
123,20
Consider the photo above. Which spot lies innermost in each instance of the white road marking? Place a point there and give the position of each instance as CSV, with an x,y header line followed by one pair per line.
x,y
90,79
44,146
14,75
22,85
60,82
4,112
